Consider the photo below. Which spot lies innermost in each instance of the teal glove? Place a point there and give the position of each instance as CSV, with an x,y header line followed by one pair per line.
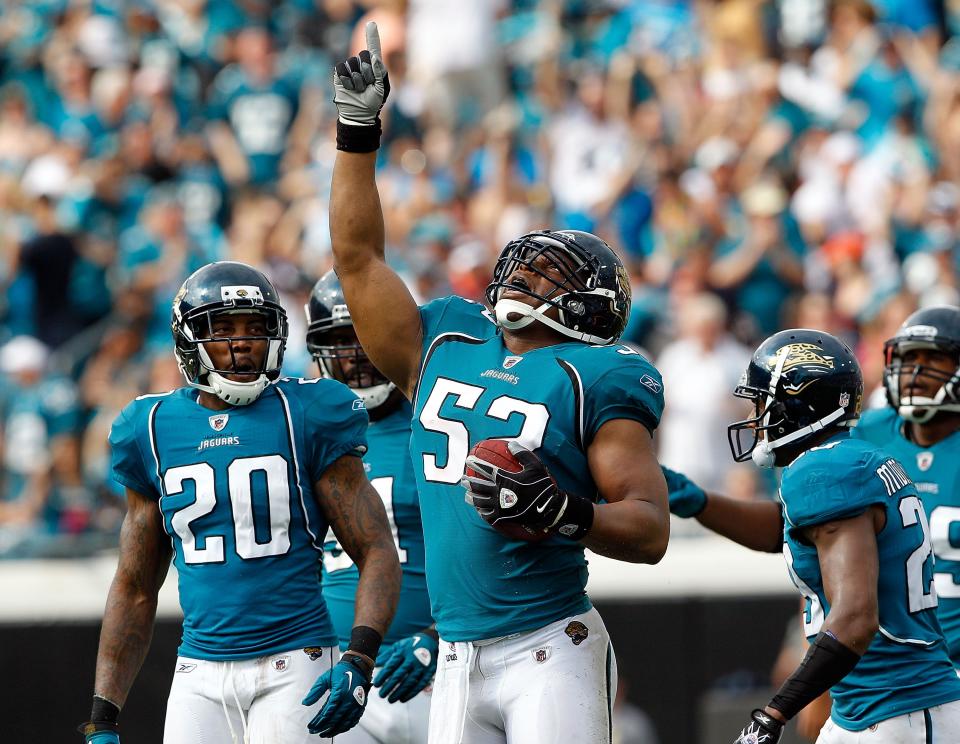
x,y
99,733
407,667
687,499
348,683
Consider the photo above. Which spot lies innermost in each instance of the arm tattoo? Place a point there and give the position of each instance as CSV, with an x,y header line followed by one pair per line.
x,y
356,514
132,602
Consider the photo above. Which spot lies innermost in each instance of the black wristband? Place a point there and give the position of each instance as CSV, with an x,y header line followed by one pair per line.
x,y
358,138
826,663
365,640
104,711
577,518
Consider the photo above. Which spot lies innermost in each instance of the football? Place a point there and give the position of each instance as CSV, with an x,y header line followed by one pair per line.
x,y
496,453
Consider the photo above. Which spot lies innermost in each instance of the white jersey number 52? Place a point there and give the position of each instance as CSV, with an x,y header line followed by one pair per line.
x,y
535,418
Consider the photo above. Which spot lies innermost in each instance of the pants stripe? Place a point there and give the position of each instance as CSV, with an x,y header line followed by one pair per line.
x,y
609,693
928,725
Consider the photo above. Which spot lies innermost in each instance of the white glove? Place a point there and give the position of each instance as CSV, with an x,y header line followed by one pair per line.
x,y
361,85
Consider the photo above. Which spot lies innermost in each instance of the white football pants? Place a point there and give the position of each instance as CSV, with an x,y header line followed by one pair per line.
x,y
251,701
937,725
554,685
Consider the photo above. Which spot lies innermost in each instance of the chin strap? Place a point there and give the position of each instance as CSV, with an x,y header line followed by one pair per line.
x,y
528,314
375,395
763,454
920,410
372,396
232,392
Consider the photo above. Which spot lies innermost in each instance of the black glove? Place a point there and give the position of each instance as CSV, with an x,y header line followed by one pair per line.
x,y
762,729
530,498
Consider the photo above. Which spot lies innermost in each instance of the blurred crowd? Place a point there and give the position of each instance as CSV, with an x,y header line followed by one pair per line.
x,y
759,163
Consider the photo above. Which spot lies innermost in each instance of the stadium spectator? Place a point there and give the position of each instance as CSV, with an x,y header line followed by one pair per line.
x,y
796,157
703,364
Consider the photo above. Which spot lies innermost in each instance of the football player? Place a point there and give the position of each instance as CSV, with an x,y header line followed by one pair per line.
x,y
919,428
523,655
408,658
236,477
857,546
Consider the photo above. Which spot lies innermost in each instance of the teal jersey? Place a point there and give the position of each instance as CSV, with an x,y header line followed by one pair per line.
x,y
552,400
906,668
388,467
236,491
936,473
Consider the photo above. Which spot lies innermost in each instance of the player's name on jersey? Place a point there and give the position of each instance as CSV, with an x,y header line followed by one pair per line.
x,y
217,442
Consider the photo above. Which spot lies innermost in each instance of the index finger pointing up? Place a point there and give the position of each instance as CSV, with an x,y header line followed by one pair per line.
x,y
373,40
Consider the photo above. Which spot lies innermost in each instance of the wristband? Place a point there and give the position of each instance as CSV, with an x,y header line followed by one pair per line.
x,y
576,519
365,640
826,663
358,137
103,710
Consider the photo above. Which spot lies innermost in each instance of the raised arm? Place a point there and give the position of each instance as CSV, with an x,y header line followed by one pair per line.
x,y
384,312
127,629
355,512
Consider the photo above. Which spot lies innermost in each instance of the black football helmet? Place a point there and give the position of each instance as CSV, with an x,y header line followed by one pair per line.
x,y
327,311
592,298
226,287
936,327
801,382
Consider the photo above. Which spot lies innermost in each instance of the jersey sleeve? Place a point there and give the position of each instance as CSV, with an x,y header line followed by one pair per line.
x,y
126,455
630,388
335,424
830,484
455,315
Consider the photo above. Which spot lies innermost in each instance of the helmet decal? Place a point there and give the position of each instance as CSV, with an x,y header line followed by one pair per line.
x,y
807,356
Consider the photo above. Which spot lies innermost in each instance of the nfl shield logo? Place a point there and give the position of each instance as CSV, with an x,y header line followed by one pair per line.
x,y
924,460
511,361
541,654
218,422
280,664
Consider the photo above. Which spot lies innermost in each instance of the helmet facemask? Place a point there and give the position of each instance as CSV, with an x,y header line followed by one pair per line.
x,y
919,408
573,294
197,365
359,374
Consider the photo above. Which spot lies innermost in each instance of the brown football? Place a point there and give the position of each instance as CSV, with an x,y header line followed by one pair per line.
x,y
496,453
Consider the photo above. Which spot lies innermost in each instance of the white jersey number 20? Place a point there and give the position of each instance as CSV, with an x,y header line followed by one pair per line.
x,y
239,477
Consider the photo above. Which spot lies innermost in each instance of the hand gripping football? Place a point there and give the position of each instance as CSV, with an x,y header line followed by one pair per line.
x,y
496,453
